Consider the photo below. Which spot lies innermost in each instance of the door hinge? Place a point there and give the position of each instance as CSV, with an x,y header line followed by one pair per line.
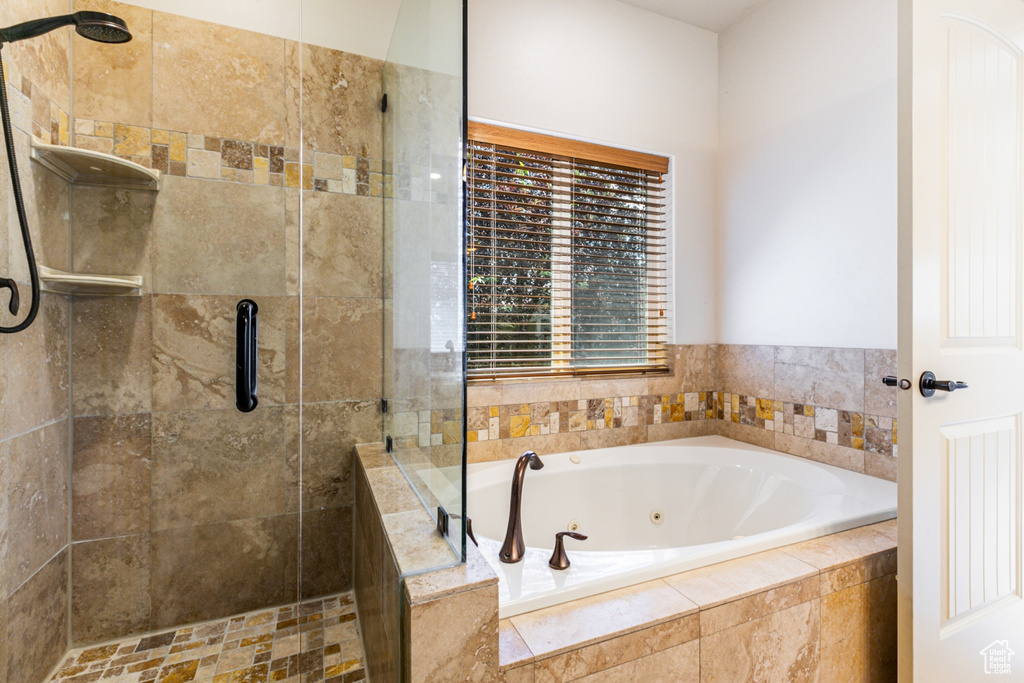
x,y
388,444
384,103
384,406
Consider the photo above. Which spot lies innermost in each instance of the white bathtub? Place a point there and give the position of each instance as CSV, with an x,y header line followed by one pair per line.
x,y
716,499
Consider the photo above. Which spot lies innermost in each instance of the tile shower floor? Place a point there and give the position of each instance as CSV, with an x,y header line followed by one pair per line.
x,y
312,641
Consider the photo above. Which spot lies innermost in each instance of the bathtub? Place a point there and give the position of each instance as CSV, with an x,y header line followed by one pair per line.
x,y
653,510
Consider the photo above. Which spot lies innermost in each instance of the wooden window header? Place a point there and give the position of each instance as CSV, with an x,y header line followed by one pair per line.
x,y
572,149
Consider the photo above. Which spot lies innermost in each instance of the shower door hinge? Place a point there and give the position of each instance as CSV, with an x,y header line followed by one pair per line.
x,y
387,444
384,406
442,521
384,103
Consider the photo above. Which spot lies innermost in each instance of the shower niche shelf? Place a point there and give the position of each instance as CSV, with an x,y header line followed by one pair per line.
x,y
85,167
80,284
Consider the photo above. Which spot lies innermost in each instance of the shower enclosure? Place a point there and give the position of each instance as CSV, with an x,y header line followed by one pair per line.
x,y
135,498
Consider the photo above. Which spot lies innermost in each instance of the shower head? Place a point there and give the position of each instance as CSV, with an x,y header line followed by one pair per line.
x,y
98,26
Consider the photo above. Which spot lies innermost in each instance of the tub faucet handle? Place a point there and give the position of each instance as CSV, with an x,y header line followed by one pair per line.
x,y
559,560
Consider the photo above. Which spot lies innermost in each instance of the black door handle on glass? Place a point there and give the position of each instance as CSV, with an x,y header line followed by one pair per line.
x,y
892,381
245,355
929,385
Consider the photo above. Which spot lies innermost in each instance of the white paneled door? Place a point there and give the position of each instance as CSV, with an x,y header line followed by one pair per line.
x,y
960,470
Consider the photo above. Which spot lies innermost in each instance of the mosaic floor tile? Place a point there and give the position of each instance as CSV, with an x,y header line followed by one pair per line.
x,y
303,643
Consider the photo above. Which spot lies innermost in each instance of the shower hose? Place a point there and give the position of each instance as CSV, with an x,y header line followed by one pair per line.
x,y
19,202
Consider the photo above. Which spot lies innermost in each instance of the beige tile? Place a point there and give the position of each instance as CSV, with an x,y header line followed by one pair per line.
x,y
195,580
326,551
680,663
38,500
485,451
455,637
218,238
610,388
194,351
747,609
115,82
484,395
112,355
37,359
681,430
3,641
44,60
557,629
110,594
110,489
240,473
755,436
342,245
862,571
531,392
415,543
4,491
391,491
880,465
373,455
878,398
112,232
607,438
831,377
472,574
782,646
820,451
512,648
342,349
519,674
329,432
217,81
747,370
858,632
341,95
616,651
727,581
37,623
836,550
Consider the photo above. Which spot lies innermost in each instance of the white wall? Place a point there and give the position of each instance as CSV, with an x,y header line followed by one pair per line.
x,y
609,72
807,183
362,27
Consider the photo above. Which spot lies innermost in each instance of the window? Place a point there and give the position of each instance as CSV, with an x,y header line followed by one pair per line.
x,y
566,264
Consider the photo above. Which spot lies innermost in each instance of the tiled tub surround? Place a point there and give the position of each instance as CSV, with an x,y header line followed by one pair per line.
x,y
827,404
445,621
314,641
823,609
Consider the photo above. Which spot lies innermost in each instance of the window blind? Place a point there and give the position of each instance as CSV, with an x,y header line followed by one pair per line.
x,y
566,257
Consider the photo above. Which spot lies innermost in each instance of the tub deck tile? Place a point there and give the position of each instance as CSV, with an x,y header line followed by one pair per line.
x,y
514,652
756,606
735,579
583,622
833,551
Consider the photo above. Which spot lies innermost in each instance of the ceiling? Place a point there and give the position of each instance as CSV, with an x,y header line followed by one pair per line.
x,y
713,15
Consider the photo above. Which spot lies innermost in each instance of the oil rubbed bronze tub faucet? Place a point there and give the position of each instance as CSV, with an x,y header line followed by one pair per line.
x,y
513,548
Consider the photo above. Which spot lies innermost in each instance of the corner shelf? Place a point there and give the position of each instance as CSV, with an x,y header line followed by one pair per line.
x,y
85,167
60,282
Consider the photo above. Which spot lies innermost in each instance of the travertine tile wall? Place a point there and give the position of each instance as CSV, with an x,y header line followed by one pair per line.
x,y
827,404
34,368
213,495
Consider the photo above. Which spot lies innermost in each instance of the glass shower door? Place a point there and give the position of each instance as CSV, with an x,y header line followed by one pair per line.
x,y
424,340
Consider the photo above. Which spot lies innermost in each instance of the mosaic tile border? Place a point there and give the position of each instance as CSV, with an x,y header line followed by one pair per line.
x,y
860,431
184,154
316,640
